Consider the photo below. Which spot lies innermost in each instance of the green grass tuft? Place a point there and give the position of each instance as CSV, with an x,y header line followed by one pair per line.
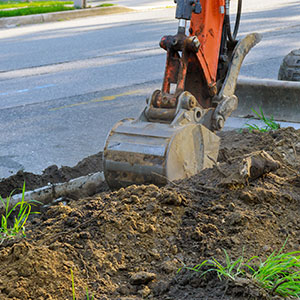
x,y
18,226
73,285
231,269
270,124
279,273
88,297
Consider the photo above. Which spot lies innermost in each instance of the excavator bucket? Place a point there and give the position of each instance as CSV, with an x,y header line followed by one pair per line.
x,y
139,151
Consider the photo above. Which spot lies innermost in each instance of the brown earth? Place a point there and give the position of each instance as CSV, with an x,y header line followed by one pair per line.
x,y
128,244
52,174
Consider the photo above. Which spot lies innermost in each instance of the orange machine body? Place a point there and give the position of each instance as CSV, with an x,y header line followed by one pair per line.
x,y
192,61
208,26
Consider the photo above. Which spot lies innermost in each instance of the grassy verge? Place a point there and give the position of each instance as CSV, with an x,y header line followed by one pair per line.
x,y
105,5
14,9
16,4
34,10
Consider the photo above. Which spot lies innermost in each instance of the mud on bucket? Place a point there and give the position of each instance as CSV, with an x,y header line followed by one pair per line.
x,y
146,152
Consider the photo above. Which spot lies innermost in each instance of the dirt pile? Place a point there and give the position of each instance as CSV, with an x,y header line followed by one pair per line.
x,y
108,241
52,174
128,244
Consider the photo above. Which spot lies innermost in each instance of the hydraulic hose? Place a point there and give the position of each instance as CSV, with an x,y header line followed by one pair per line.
x,y
232,37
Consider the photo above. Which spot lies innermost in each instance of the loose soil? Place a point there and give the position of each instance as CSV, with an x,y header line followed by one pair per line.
x,y
52,174
128,244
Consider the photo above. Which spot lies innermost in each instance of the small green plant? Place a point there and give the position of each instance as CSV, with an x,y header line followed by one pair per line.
x,y
88,297
231,269
18,226
73,285
270,124
279,273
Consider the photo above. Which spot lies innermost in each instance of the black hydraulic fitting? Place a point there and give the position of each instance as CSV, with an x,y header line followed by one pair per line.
x,y
185,8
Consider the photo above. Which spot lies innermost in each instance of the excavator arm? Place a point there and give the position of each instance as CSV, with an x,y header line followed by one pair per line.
x,y
174,137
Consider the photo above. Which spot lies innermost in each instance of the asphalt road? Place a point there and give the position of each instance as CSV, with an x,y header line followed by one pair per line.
x,y
63,85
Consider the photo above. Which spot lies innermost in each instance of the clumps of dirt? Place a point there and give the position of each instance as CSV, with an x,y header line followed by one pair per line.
x,y
128,244
284,144
52,174
26,267
266,207
116,244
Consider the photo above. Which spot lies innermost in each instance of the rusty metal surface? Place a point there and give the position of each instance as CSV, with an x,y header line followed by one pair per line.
x,y
154,114
160,99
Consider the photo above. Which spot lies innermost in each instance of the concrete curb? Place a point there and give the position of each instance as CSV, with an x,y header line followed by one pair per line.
x,y
62,15
276,98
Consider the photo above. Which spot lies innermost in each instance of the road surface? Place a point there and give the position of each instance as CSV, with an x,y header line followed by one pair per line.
x,y
63,85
